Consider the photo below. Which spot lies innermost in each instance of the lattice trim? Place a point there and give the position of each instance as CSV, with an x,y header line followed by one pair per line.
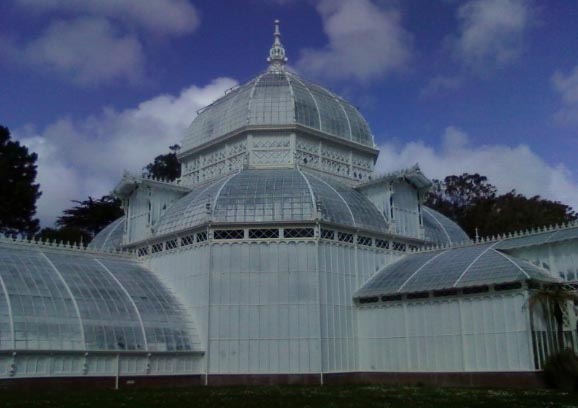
x,y
345,237
298,233
171,244
264,233
229,234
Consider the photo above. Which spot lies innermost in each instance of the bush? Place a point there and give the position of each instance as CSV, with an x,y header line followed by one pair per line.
x,y
561,370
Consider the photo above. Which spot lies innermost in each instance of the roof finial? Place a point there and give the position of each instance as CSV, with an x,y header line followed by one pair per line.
x,y
277,56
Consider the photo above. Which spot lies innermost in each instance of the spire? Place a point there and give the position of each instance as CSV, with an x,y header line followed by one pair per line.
x,y
277,53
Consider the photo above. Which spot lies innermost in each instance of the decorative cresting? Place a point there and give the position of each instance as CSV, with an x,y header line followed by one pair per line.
x,y
277,58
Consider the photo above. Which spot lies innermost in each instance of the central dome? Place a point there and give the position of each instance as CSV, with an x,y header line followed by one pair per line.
x,y
278,98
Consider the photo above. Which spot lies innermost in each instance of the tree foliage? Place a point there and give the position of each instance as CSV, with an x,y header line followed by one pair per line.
x,y
165,166
472,202
18,191
65,234
455,194
91,215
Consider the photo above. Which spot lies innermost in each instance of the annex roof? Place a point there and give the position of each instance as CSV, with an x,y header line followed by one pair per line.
x,y
460,267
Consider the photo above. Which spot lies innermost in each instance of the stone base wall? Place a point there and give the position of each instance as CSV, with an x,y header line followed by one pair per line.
x,y
478,379
518,379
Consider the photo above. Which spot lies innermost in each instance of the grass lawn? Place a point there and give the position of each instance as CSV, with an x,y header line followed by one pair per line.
x,y
292,396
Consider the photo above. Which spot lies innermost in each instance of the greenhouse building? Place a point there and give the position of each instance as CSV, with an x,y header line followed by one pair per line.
x,y
281,256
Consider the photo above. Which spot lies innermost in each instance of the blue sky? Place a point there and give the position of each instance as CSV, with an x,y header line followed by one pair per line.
x,y
100,86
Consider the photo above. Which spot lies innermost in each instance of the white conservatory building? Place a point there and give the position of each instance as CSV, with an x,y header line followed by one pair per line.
x,y
280,256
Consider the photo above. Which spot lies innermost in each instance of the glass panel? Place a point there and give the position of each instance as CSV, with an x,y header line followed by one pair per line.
x,y
223,116
392,277
192,209
443,271
166,325
440,229
265,195
110,237
333,196
42,309
360,131
109,318
272,102
333,118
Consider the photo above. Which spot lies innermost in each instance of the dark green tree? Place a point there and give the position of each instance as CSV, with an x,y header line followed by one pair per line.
x,y
65,234
472,202
165,166
18,192
513,212
90,216
455,194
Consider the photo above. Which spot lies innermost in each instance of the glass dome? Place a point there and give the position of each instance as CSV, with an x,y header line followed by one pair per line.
x,y
272,195
278,98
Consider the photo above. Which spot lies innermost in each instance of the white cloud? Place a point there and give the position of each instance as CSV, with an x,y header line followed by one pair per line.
x,y
567,87
87,157
440,84
491,32
94,42
160,16
365,41
90,51
506,167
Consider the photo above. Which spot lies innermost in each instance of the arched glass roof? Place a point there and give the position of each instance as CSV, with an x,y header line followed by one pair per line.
x,y
272,195
452,268
65,300
110,237
439,229
278,98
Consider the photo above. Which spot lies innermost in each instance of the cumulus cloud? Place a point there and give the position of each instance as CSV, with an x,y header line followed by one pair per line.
x,y
159,16
87,50
567,86
491,32
506,167
87,157
94,42
365,41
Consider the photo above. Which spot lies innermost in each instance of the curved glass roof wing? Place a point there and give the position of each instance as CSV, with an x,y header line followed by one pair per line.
x,y
451,268
278,98
440,229
57,299
110,237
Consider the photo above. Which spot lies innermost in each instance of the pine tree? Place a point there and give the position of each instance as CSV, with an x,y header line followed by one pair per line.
x,y
18,192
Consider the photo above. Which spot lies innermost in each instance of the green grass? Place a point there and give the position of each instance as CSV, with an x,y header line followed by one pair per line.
x,y
292,396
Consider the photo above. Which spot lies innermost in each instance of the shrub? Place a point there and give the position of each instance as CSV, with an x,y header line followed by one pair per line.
x,y
561,370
